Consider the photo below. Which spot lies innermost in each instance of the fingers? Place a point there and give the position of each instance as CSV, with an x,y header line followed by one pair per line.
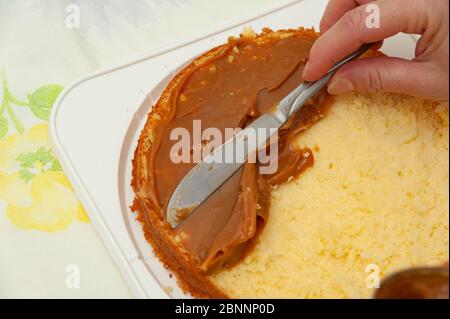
x,y
391,75
335,10
351,31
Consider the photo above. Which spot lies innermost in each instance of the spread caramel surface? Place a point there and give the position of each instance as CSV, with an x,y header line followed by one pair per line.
x,y
244,80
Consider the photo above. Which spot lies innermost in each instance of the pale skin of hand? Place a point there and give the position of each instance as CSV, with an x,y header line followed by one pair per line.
x,y
344,29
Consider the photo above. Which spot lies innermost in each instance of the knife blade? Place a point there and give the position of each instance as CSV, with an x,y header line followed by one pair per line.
x,y
207,176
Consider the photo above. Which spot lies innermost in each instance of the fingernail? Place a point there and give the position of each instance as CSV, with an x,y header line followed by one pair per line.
x,y
340,86
306,69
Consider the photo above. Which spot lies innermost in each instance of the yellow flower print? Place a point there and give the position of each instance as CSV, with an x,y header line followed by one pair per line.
x,y
37,194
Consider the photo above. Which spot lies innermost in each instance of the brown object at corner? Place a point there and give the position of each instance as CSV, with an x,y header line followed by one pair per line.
x,y
420,283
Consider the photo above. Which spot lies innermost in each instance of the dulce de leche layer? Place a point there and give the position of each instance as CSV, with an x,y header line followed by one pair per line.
x,y
242,81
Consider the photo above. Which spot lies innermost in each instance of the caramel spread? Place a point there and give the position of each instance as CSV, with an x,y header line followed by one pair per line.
x,y
242,81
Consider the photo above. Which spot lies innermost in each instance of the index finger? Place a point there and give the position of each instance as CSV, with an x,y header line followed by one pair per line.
x,y
352,30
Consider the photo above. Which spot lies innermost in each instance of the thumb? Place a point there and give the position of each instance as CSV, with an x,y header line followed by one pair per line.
x,y
391,75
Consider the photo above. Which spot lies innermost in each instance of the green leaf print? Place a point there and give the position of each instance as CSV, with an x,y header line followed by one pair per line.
x,y
26,175
56,166
3,126
42,155
42,160
41,101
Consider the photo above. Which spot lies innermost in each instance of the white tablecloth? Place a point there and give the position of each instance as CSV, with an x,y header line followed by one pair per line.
x,y
46,239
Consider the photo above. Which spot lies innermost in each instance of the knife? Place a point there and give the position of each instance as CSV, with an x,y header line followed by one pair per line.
x,y
207,176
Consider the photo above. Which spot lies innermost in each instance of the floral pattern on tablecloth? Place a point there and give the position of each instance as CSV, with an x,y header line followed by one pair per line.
x,y
37,194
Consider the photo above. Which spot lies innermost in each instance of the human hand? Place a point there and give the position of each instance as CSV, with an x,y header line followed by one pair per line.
x,y
344,29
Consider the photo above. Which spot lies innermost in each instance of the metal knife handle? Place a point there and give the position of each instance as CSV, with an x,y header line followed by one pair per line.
x,y
308,89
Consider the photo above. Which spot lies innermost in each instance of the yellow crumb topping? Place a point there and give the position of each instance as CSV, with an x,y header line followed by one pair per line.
x,y
377,196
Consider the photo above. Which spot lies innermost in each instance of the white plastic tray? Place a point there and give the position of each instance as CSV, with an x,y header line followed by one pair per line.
x,y
96,122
